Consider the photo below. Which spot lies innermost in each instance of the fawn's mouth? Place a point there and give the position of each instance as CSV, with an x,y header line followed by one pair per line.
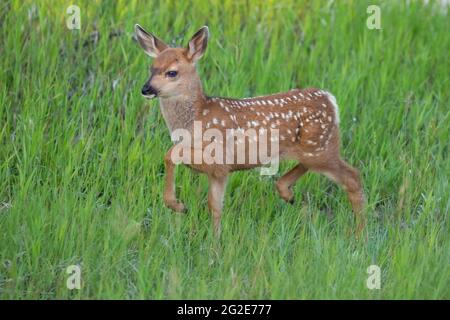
x,y
149,96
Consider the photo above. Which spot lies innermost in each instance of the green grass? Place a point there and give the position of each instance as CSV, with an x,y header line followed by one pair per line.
x,y
81,170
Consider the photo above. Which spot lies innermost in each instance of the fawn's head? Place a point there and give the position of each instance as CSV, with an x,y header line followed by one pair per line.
x,y
173,70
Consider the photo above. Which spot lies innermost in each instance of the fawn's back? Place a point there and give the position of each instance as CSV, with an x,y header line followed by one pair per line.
x,y
306,120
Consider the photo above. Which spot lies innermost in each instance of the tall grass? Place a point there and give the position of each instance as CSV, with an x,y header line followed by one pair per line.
x,y
81,171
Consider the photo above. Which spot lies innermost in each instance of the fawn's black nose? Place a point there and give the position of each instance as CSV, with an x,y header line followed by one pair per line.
x,y
148,90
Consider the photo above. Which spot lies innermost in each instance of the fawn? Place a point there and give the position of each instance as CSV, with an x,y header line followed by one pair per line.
x,y
307,121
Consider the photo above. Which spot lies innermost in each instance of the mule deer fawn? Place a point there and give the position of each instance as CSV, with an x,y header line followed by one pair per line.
x,y
307,121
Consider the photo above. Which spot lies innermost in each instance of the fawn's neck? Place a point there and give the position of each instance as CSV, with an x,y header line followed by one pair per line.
x,y
179,111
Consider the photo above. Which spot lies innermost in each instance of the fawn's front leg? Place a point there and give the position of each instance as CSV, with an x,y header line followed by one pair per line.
x,y
217,186
170,198
285,183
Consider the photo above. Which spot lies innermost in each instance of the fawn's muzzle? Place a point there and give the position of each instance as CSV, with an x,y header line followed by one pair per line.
x,y
148,91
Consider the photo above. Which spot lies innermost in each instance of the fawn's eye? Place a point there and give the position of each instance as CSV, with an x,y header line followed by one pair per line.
x,y
171,74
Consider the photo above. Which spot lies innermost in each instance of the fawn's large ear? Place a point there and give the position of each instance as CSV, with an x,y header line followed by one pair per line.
x,y
150,43
197,44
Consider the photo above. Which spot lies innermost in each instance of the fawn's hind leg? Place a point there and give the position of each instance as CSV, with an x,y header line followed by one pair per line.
x,y
285,183
170,198
348,177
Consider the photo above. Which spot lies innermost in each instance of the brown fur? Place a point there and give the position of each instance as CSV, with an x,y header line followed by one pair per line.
x,y
307,121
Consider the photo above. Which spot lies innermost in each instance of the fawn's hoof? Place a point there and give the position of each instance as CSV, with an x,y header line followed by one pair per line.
x,y
288,199
285,193
288,196
361,232
176,206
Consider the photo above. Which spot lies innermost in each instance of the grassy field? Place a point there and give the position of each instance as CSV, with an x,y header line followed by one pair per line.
x,y
81,170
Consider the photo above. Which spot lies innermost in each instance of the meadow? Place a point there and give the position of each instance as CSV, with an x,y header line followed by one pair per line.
x,y
81,153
